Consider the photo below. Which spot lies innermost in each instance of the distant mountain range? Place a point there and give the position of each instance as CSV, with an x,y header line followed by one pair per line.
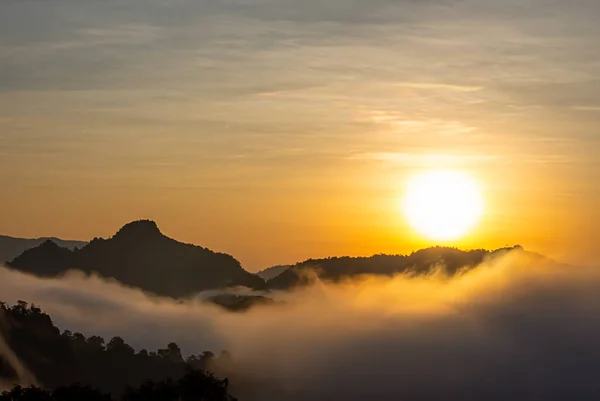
x,y
11,247
139,255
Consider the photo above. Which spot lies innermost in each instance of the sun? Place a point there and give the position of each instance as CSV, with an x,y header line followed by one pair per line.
x,y
443,204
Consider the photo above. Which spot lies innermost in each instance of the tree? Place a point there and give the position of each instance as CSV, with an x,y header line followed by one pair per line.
x,y
196,385
174,353
118,345
96,344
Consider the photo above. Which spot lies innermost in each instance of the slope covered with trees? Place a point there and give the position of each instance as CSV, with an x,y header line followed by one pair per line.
x,y
58,360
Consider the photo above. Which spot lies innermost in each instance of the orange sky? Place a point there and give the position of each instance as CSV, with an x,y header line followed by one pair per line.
x,y
277,134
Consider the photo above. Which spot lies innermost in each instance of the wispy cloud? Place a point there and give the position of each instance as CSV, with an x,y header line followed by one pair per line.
x,y
123,35
439,86
428,159
586,108
402,123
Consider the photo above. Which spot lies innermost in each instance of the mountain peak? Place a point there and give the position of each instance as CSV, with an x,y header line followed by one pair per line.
x,y
49,243
139,229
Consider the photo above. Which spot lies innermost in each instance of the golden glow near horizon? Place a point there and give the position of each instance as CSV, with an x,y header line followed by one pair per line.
x,y
280,131
443,205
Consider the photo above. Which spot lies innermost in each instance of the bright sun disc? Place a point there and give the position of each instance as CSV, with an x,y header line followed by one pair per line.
x,y
443,205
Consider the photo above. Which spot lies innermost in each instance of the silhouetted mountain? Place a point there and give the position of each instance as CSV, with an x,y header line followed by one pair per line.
x,y
272,272
139,255
11,247
418,263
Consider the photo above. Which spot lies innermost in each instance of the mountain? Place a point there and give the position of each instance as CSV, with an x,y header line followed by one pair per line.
x,y
11,247
272,272
139,255
418,263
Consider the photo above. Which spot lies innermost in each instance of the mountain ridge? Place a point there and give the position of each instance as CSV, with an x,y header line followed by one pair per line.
x,y
139,255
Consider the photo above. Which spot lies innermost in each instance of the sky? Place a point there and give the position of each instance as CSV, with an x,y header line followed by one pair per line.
x,y
278,130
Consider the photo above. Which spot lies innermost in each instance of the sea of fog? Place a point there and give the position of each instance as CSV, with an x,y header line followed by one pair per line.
x,y
517,327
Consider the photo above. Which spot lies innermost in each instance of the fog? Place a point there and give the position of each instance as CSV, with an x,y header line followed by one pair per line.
x,y
516,327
